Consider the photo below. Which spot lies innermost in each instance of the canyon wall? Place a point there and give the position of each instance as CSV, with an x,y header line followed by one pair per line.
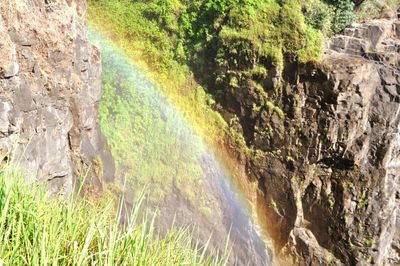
x,y
322,138
50,87
324,147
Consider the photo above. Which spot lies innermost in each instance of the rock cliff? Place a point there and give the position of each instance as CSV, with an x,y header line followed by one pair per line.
x,y
323,138
325,149
49,90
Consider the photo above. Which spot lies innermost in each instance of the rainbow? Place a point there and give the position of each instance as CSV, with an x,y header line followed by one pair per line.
x,y
154,144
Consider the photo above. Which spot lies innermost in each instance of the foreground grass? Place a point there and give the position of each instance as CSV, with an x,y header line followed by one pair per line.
x,y
38,230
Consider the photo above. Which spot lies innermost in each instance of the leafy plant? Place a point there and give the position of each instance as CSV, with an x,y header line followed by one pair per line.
x,y
319,15
344,14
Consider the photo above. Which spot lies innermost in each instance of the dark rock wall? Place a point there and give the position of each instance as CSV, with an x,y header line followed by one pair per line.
x,y
329,169
50,87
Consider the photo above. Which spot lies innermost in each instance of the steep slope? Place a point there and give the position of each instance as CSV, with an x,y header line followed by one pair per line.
x,y
324,147
314,136
49,90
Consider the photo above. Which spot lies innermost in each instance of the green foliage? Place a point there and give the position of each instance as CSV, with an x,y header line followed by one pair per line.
x,y
259,72
151,32
290,159
331,202
149,145
329,16
256,108
201,21
363,200
312,49
259,30
318,15
38,230
344,14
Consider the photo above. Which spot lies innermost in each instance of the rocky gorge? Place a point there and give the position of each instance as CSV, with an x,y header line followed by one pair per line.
x,y
324,148
321,139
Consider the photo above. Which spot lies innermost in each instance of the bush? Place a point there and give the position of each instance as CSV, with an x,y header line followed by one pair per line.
x,y
344,14
319,15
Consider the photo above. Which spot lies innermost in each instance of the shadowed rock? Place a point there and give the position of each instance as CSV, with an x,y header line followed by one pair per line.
x,y
329,169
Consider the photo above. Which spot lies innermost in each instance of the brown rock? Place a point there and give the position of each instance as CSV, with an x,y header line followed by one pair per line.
x,y
331,166
45,58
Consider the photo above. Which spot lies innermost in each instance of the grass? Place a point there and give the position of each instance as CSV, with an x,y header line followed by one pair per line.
x,y
38,230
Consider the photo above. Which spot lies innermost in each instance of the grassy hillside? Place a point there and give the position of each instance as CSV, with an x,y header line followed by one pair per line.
x,y
37,230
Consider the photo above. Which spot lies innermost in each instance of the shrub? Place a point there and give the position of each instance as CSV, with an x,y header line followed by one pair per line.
x,y
344,14
319,15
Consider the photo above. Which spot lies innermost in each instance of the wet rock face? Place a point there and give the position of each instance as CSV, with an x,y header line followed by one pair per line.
x,y
50,87
329,170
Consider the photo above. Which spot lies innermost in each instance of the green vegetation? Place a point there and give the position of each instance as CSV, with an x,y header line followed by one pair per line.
x,y
223,45
369,242
38,230
363,199
343,15
319,15
271,106
148,143
234,37
147,32
290,159
331,202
